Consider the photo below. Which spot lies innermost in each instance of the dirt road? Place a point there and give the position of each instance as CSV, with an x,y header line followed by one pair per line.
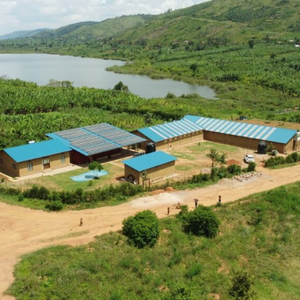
x,y
24,230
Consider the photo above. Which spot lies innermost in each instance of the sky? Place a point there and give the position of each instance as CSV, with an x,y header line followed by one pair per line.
x,y
18,15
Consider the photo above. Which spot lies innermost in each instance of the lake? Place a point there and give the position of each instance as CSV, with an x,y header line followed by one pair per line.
x,y
90,72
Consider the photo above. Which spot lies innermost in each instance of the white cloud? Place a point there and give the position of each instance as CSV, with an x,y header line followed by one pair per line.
x,y
18,15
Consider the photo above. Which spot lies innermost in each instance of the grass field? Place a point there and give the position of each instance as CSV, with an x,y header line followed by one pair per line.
x,y
259,235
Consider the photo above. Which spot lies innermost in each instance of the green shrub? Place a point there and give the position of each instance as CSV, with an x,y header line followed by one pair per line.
x,y
241,287
289,159
183,210
200,178
194,270
214,173
234,169
251,167
222,172
20,197
170,96
295,156
202,222
55,205
179,292
37,193
279,160
142,230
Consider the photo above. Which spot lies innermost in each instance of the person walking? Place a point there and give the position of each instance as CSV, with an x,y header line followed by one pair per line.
x,y
168,211
220,199
80,222
196,202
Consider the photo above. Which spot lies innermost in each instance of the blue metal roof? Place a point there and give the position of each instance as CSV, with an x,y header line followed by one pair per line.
x,y
169,130
36,150
96,138
259,132
149,161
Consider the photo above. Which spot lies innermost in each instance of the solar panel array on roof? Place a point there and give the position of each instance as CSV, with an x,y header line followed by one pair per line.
x,y
96,138
170,130
109,132
259,132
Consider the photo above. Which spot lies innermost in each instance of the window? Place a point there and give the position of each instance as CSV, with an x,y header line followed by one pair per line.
x,y
14,166
30,166
62,158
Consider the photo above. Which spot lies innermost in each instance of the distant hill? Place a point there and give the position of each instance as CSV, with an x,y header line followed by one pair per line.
x,y
95,30
21,34
216,22
228,20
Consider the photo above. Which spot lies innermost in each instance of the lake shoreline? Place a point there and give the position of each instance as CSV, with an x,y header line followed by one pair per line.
x,y
90,72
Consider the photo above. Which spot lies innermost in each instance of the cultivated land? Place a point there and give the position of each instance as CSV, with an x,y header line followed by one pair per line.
x,y
258,81
24,230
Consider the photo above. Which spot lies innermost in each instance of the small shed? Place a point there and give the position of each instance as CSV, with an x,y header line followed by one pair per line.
x,y
149,167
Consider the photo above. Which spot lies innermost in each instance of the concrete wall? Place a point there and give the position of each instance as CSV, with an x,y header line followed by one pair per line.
x,y
153,173
290,146
6,165
21,169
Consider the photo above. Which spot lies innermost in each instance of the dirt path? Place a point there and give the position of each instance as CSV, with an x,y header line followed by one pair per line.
x,y
24,230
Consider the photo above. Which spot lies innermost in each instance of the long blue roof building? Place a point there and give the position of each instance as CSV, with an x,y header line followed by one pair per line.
x,y
245,135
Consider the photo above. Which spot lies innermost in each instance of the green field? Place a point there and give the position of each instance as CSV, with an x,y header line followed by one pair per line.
x,y
258,235
246,51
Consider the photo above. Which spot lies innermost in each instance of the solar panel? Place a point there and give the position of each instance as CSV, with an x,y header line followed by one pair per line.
x,y
114,134
98,138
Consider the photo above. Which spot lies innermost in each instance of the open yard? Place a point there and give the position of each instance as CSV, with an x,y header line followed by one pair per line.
x,y
191,159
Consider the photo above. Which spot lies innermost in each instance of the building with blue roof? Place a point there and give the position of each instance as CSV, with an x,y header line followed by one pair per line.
x,y
245,135
149,167
34,158
77,146
170,133
96,141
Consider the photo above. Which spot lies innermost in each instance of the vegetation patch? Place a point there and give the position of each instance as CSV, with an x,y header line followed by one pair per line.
x,y
183,155
258,236
206,146
281,162
142,230
183,168
66,236
54,200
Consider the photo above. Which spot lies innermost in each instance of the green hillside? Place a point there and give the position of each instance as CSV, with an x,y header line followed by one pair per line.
x,y
21,34
228,20
259,236
224,21
86,31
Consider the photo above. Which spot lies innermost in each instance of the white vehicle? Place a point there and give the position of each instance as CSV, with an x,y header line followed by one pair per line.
x,y
249,158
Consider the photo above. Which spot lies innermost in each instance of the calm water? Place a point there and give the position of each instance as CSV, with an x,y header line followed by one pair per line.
x,y
40,68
